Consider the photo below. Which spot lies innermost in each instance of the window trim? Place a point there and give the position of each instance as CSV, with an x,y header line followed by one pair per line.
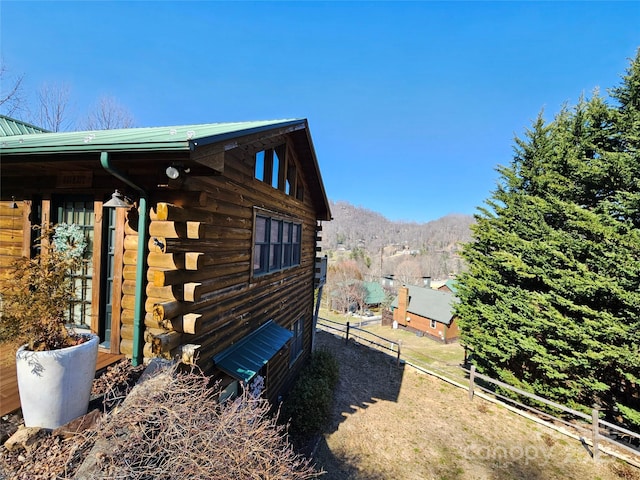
x,y
296,347
433,324
279,247
45,209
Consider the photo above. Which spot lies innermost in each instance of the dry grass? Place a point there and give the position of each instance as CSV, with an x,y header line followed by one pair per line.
x,y
442,358
395,423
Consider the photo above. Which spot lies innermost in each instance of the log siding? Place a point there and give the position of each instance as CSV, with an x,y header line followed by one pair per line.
x,y
201,284
201,292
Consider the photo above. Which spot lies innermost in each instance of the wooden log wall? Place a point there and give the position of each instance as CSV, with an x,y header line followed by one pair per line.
x,y
127,303
200,287
15,233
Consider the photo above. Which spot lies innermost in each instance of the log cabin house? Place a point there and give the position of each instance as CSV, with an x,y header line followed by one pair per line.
x,y
213,257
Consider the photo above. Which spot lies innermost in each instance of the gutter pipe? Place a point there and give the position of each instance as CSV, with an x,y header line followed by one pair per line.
x,y
138,316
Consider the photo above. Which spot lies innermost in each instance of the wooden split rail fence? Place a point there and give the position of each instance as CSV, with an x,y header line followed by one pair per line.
x,y
361,336
592,428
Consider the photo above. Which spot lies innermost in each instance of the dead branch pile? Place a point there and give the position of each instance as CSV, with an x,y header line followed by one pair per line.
x,y
114,385
170,427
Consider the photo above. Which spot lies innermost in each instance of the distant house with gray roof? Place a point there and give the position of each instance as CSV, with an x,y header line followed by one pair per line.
x,y
425,310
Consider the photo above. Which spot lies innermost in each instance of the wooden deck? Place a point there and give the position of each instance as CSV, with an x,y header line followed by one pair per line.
x,y
9,397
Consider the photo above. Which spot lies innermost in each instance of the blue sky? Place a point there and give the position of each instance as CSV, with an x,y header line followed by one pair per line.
x,y
411,105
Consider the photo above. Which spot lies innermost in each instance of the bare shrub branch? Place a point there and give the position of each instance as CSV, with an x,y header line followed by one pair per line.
x,y
170,427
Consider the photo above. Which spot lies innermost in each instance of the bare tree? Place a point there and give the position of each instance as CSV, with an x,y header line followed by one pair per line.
x,y
408,272
53,106
51,109
342,278
358,293
108,114
11,93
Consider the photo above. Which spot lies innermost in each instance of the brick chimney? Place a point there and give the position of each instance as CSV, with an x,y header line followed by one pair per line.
x,y
400,314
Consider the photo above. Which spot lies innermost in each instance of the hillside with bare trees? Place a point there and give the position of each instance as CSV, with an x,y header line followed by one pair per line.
x,y
408,250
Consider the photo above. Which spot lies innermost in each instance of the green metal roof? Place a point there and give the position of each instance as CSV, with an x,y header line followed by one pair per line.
x,y
184,137
375,293
452,285
187,138
244,359
11,126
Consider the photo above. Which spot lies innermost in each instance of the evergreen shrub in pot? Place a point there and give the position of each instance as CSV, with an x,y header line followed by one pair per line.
x,y
55,365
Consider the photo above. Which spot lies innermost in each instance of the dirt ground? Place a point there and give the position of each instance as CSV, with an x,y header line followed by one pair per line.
x,y
391,422
394,423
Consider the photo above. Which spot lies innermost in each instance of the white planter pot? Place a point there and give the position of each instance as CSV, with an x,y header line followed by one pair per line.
x,y
55,385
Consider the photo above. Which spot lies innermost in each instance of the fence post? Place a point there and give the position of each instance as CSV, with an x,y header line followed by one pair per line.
x,y
346,340
398,360
595,418
472,374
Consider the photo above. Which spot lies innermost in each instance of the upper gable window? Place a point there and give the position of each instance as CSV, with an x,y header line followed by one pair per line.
x,y
277,168
260,165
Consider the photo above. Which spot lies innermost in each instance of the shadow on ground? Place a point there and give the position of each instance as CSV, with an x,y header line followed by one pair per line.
x,y
366,377
390,423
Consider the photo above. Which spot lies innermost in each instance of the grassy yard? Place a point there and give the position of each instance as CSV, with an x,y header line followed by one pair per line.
x,y
423,351
391,422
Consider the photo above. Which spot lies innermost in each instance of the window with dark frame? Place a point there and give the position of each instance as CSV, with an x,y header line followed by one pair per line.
x,y
286,244
296,233
277,244
78,210
297,341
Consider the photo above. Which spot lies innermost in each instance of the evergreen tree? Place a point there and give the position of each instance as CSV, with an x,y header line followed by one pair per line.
x,y
551,299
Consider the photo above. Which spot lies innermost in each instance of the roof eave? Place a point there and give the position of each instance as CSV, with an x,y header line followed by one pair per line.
x,y
142,147
294,125
326,215
91,144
